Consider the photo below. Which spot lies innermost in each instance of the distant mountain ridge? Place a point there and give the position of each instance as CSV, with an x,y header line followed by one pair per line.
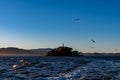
x,y
13,51
42,51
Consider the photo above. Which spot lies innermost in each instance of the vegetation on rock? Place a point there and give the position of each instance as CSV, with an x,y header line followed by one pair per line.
x,y
63,51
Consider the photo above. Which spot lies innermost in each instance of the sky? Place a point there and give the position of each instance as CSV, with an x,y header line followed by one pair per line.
x,y
50,23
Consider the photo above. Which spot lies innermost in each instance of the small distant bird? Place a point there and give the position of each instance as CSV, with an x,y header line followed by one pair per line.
x,y
15,66
93,40
24,62
21,61
77,19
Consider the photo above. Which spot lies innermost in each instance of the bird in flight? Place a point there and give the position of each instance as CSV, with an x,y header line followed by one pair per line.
x,y
76,19
93,40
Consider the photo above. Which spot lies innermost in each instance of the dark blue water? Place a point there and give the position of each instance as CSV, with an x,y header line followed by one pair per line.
x,y
60,68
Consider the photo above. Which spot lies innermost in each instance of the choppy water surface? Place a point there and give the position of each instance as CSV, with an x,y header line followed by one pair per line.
x,y
59,68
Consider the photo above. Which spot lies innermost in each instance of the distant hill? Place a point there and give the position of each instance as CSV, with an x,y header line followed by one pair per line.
x,y
42,51
12,51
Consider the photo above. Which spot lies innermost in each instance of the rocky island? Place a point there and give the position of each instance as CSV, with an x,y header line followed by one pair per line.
x,y
63,51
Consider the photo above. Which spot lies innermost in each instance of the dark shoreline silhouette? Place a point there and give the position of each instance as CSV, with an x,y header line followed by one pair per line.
x,y
13,51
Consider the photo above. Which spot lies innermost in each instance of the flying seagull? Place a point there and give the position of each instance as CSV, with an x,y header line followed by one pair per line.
x,y
93,40
76,19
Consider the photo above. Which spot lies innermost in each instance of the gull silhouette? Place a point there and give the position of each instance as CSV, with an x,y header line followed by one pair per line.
x,y
93,40
76,19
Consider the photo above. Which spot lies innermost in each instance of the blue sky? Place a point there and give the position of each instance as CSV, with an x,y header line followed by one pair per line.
x,y
50,23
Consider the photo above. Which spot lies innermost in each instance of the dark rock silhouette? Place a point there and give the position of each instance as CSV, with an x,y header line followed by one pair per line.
x,y
63,51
